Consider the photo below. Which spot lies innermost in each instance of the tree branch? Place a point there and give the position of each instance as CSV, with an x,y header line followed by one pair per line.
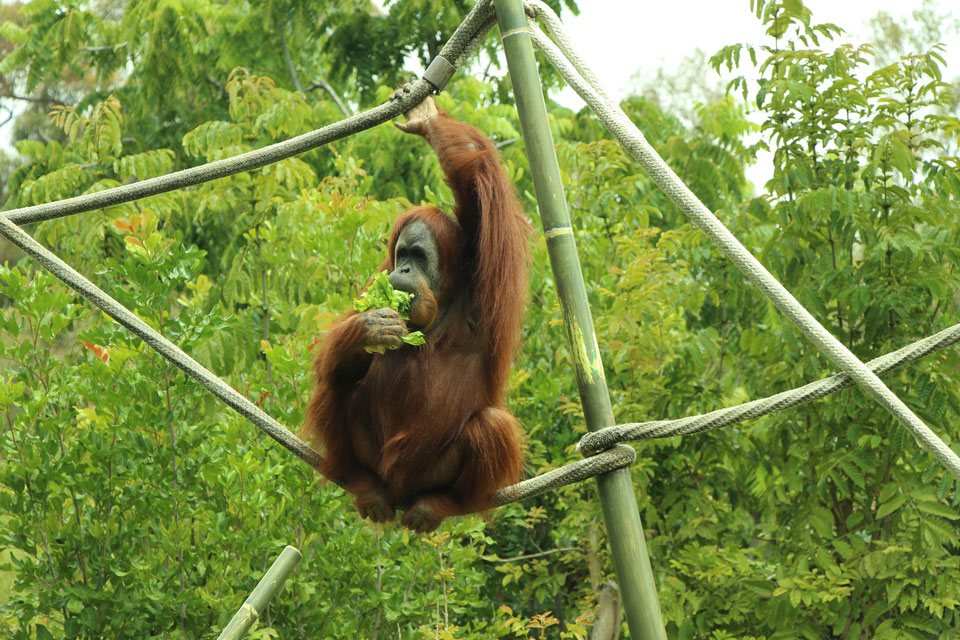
x,y
321,83
606,625
531,556
106,47
12,96
286,58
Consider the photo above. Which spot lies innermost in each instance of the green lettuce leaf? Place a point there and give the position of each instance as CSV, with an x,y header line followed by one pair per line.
x,y
382,295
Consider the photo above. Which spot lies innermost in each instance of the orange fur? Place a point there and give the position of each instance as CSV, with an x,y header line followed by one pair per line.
x,y
426,428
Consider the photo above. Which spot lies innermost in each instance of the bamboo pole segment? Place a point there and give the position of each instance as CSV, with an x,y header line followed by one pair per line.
x,y
625,531
262,594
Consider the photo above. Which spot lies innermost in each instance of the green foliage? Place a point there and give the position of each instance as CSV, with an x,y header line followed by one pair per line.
x,y
134,506
381,295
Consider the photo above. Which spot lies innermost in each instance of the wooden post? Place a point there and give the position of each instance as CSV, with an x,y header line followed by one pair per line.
x,y
624,529
258,600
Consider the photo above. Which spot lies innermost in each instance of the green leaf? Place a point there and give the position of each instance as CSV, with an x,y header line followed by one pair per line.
x,y
892,505
381,295
887,492
42,633
937,509
415,338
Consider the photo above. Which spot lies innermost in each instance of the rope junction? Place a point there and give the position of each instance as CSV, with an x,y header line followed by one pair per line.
x,y
600,440
578,76
601,446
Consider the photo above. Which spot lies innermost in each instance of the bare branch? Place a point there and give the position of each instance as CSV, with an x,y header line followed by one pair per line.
x,y
321,83
531,556
606,625
286,58
10,95
106,47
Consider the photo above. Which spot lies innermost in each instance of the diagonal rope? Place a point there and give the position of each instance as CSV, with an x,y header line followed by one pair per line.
x,y
227,394
463,41
554,26
605,461
636,145
608,460
600,440
248,161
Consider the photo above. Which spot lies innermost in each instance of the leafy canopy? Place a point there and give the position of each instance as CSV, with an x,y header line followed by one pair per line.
x,y
133,506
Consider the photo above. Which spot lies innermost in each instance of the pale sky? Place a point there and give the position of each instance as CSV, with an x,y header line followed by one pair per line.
x,y
620,37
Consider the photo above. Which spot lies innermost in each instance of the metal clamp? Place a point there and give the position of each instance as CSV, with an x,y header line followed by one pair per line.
x,y
439,72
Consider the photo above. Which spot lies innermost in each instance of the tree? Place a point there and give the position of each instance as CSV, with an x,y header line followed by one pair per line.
x,y
133,506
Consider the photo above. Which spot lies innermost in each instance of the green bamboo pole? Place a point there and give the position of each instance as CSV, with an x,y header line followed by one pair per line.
x,y
262,594
625,531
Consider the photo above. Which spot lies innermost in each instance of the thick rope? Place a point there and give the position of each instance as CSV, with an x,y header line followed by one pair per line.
x,y
470,32
611,459
554,26
600,440
636,145
399,102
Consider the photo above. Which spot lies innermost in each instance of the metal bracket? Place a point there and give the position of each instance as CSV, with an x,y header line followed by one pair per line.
x,y
439,72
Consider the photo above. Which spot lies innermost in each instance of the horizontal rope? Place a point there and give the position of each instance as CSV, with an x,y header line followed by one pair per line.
x,y
618,457
637,146
470,32
600,440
